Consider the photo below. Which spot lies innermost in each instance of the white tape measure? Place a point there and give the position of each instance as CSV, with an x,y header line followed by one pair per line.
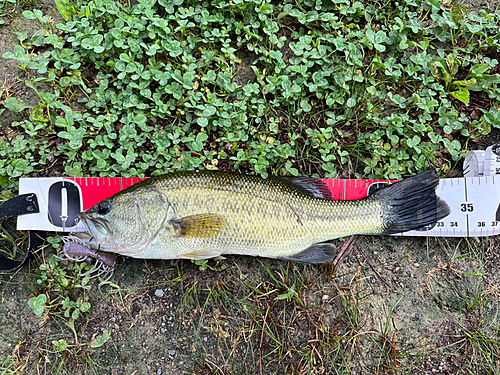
x,y
474,200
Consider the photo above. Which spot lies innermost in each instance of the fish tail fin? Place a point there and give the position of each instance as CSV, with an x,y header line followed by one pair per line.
x,y
412,203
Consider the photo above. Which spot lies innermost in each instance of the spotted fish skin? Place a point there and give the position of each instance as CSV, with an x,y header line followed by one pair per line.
x,y
198,215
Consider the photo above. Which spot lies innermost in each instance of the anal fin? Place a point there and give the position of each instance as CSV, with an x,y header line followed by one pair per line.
x,y
314,254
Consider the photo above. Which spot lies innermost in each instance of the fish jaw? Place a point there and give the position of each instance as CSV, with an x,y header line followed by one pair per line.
x,y
102,235
97,228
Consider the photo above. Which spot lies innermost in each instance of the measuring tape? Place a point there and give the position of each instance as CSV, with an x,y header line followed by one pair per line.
x,y
474,200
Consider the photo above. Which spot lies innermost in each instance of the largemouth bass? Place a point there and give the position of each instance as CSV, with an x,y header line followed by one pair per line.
x,y
200,215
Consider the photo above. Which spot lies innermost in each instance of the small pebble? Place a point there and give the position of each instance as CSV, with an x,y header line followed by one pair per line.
x,y
162,330
159,293
158,372
181,363
149,368
172,353
205,339
325,298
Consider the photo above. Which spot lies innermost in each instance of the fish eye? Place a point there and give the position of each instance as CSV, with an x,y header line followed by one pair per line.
x,y
103,208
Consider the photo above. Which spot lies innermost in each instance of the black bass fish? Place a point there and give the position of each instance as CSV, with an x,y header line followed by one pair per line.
x,y
200,215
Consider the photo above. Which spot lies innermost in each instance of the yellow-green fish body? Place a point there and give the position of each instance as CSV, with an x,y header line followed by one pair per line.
x,y
198,215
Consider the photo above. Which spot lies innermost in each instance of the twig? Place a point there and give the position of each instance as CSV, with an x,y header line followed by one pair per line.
x,y
345,249
296,214
373,269
393,350
262,338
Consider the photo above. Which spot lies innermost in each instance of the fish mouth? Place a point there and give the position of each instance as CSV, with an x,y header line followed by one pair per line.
x,y
95,226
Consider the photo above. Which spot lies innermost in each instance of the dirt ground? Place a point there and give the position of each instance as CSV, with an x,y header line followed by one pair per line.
x,y
413,296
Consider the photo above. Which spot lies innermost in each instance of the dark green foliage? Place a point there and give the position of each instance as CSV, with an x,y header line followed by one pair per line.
x,y
334,87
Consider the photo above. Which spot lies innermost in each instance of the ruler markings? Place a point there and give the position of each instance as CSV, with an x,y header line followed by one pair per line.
x,y
465,189
467,205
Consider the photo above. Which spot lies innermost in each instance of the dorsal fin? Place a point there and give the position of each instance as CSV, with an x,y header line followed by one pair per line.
x,y
309,186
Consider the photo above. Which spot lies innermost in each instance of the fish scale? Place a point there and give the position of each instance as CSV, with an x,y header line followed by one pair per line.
x,y
198,215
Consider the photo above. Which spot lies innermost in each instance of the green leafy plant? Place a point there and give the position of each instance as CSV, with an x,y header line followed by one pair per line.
x,y
74,309
61,288
168,95
38,303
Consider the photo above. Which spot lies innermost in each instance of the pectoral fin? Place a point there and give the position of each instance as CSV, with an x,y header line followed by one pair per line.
x,y
199,226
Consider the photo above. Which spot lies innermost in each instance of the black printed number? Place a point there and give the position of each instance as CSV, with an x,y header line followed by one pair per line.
x,y
454,224
439,224
481,224
494,223
466,207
